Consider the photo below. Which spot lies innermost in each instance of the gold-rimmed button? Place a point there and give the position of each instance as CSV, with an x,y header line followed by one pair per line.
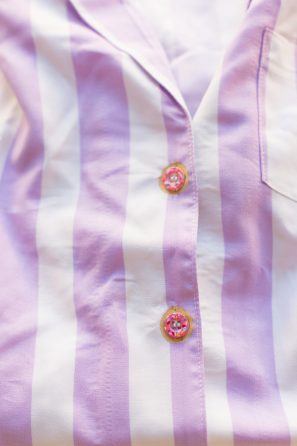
x,y
174,178
176,324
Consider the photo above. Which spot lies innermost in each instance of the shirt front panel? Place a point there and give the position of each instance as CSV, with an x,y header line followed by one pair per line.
x,y
100,251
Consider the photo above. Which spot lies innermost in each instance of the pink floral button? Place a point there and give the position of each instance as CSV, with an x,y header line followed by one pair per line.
x,y
176,324
174,178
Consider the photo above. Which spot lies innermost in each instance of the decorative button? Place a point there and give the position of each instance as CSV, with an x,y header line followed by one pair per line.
x,y
174,178
176,324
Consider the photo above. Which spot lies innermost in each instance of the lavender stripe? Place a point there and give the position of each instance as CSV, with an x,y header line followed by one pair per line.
x,y
19,199
101,414
180,239
257,412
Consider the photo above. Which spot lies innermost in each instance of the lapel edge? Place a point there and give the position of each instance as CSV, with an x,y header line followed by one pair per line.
x,y
150,69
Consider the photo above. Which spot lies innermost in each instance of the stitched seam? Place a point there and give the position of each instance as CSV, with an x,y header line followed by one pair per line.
x,y
262,70
195,211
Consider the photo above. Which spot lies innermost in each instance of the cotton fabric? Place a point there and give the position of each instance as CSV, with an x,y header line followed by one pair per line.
x,y
97,97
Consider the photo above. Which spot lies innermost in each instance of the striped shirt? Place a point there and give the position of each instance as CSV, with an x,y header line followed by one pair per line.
x,y
98,98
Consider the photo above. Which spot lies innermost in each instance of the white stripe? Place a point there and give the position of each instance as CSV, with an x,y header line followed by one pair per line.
x,y
284,304
287,18
149,352
280,104
10,119
210,264
53,382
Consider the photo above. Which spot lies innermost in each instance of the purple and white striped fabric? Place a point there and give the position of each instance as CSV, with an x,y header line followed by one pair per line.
x,y
97,98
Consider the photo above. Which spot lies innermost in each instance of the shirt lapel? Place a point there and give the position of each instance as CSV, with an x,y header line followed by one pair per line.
x,y
127,30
